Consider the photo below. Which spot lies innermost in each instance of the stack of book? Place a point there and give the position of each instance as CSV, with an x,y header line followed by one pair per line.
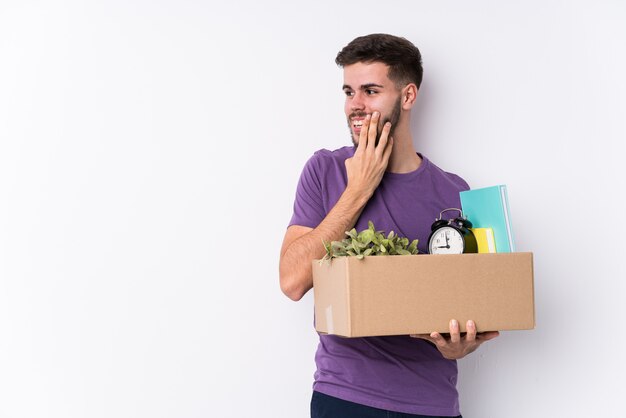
x,y
488,210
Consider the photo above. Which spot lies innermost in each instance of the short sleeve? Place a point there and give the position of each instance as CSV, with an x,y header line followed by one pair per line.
x,y
308,207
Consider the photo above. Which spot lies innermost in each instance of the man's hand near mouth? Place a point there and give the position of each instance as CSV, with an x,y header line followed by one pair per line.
x,y
366,168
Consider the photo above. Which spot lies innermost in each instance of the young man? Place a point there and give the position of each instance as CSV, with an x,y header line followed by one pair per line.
x,y
383,179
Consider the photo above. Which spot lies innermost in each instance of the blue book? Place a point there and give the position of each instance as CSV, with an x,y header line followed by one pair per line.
x,y
489,208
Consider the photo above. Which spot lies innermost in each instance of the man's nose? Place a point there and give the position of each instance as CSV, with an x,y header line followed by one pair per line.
x,y
357,102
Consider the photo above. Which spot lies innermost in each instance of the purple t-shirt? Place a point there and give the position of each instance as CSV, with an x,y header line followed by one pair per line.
x,y
397,373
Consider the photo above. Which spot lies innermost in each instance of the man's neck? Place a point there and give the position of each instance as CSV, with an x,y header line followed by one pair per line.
x,y
404,158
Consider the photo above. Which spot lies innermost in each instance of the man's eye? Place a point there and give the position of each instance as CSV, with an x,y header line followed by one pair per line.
x,y
370,92
348,93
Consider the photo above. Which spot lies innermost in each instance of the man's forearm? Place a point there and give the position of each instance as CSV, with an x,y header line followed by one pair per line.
x,y
295,265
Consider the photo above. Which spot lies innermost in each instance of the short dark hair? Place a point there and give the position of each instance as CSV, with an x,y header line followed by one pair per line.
x,y
402,57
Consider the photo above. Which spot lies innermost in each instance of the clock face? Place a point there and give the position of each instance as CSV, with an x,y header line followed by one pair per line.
x,y
446,240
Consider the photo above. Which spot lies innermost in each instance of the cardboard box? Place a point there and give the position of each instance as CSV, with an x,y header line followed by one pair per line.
x,y
415,294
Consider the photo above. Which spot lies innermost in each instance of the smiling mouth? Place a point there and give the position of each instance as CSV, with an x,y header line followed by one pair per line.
x,y
357,124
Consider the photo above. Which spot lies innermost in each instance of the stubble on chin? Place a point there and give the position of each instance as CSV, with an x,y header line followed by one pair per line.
x,y
354,141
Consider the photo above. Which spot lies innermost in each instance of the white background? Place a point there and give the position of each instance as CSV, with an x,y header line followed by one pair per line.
x,y
149,154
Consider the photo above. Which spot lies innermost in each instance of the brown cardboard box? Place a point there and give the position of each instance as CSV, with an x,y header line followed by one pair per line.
x,y
414,294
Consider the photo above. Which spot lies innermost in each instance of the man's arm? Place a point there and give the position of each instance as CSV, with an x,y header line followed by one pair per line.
x,y
302,245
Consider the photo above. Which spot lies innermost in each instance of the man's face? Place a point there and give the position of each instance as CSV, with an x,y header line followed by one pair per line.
x,y
367,89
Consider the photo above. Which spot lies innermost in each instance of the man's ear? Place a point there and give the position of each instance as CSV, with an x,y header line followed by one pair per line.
x,y
409,96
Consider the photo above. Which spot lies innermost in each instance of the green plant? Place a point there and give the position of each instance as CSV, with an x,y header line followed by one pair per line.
x,y
369,242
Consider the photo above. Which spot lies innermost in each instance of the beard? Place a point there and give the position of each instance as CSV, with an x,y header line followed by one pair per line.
x,y
393,117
